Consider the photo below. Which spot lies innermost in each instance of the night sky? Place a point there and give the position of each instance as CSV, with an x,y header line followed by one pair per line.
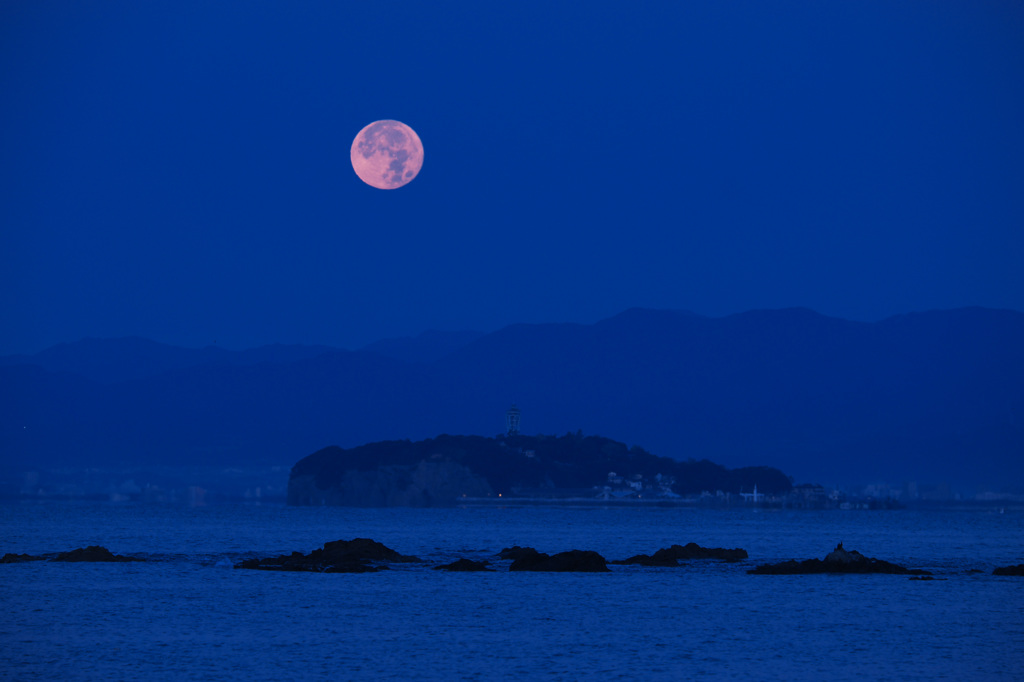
x,y
180,170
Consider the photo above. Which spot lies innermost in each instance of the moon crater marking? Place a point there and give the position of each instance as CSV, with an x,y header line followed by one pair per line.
x,y
387,154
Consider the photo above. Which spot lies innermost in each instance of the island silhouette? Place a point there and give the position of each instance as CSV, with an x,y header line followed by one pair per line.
x,y
444,470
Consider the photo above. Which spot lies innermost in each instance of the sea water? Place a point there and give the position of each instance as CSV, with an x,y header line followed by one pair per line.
x,y
182,614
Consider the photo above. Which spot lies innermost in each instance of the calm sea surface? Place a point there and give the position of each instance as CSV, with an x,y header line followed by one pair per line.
x,y
180,616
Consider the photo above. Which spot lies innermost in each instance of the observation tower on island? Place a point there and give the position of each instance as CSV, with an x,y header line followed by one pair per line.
x,y
512,421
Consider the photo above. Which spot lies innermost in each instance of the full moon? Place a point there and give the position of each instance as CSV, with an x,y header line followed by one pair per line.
x,y
387,154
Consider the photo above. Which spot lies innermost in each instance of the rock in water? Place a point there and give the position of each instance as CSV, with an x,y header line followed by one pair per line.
x,y
92,553
19,558
516,552
648,560
838,560
464,565
1009,570
671,556
341,556
362,549
575,560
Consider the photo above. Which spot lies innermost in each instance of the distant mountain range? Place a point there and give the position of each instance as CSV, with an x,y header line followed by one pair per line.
x,y
924,396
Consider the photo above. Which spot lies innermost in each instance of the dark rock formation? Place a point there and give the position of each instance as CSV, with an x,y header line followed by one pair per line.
x,y
1009,570
838,561
464,565
676,553
516,552
364,550
575,560
93,553
341,556
20,558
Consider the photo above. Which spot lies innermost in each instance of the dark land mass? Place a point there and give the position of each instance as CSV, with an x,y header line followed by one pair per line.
x,y
20,558
839,560
446,469
573,561
671,556
926,396
425,348
360,555
93,553
131,358
364,556
1009,570
465,565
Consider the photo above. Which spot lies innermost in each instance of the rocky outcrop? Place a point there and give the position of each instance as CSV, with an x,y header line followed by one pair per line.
x,y
575,560
838,560
464,565
427,484
1009,570
20,558
516,552
92,553
671,556
342,556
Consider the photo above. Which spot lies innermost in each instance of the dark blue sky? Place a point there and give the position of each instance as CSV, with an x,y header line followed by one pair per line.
x,y
180,170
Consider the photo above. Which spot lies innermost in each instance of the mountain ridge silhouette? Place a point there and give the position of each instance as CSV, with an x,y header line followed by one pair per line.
x,y
931,395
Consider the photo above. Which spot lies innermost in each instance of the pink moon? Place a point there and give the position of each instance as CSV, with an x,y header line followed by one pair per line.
x,y
387,154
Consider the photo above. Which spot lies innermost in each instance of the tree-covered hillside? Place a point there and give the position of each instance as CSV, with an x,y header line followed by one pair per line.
x,y
511,465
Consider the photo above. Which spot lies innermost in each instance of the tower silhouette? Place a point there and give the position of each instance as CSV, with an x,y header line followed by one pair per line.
x,y
512,421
